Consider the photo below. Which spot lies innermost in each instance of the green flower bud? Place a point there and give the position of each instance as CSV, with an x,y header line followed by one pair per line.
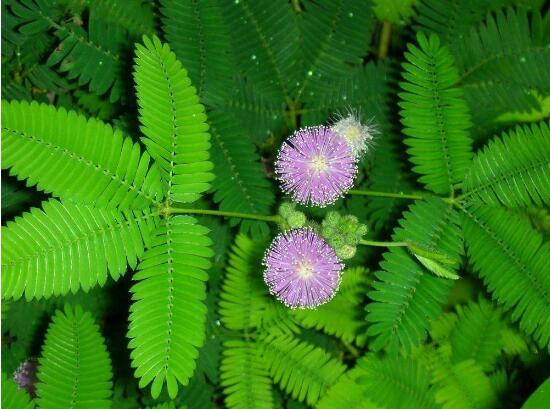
x,y
346,251
286,209
296,219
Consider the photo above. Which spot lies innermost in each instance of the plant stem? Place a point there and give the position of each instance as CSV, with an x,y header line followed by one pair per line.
x,y
296,5
385,39
265,218
385,194
383,243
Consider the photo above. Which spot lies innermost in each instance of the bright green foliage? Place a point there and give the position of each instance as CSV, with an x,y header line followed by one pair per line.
x,y
512,260
264,46
301,369
451,20
539,398
12,397
477,334
85,161
325,28
435,115
463,386
197,34
394,11
245,302
93,56
74,368
65,247
405,295
173,121
243,75
396,382
240,185
513,170
245,380
503,64
342,316
243,299
167,319
347,393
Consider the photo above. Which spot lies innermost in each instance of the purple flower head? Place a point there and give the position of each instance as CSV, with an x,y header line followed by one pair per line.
x,y
357,135
302,270
315,166
25,376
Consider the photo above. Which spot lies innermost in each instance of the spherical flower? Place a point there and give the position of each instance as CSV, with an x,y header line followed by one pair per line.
x,y
302,270
25,376
357,135
315,166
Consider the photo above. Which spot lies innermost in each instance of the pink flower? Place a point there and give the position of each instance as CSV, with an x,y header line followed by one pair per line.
x,y
302,270
315,166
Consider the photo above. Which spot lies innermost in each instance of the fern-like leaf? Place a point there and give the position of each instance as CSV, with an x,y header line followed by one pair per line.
x,y
500,65
341,316
301,369
335,36
347,393
167,318
466,342
240,184
263,34
512,259
173,121
65,247
513,170
196,32
244,379
435,115
74,369
406,296
84,161
13,397
244,301
463,386
396,382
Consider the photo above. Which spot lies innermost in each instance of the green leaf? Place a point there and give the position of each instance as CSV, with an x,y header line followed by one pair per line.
x,y
463,386
478,334
167,318
512,259
244,300
539,398
240,184
264,46
92,56
335,35
74,368
514,170
244,379
84,161
396,382
341,316
196,32
500,66
435,115
405,295
347,393
66,247
13,397
173,121
302,370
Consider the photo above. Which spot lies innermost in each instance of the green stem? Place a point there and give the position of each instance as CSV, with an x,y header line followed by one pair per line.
x,y
385,194
265,218
296,5
385,39
383,243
